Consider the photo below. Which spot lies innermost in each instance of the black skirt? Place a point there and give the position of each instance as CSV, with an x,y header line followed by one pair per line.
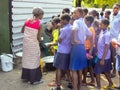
x,y
31,75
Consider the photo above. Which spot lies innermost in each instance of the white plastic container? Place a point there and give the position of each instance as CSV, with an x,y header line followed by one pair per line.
x,y
7,62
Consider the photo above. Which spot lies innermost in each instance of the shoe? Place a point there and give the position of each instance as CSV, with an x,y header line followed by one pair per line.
x,y
109,87
37,82
112,75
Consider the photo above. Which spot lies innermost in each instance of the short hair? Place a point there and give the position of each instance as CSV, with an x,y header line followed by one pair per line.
x,y
108,12
56,20
89,18
117,4
65,17
105,21
85,10
94,12
67,10
101,13
80,10
37,11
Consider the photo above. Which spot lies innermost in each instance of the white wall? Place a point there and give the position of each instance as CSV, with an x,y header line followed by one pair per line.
x,y
21,10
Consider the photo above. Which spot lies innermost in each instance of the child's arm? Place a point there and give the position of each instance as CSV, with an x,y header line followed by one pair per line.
x,y
73,37
104,54
92,42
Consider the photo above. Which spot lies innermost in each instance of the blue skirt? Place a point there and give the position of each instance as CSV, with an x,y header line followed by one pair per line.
x,y
107,67
62,61
118,63
78,59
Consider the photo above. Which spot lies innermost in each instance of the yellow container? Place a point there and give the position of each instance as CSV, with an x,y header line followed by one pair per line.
x,y
42,64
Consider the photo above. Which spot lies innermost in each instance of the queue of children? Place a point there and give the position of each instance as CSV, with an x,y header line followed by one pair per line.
x,y
82,43
89,49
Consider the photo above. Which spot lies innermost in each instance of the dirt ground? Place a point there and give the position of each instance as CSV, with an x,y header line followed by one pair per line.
x,y
12,81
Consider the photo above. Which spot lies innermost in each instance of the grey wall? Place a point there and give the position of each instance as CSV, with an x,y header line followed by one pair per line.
x,y
21,10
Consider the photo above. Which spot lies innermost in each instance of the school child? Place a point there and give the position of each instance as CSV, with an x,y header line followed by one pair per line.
x,y
89,44
114,31
116,42
64,48
103,64
66,10
85,12
55,33
101,15
107,14
78,53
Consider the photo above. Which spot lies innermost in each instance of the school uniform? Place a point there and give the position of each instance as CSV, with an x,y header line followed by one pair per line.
x,y
114,25
104,39
118,56
64,48
78,59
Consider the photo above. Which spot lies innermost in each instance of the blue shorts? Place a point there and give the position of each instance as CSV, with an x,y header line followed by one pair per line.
x,y
118,63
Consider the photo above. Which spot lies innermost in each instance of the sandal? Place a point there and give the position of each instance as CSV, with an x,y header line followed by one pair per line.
x,y
91,84
112,75
109,87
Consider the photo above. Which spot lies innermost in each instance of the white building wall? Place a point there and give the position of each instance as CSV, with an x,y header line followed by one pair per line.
x,y
22,9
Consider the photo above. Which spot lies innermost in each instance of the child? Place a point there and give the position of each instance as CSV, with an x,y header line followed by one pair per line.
x,y
78,54
66,10
117,44
64,48
107,14
85,12
89,44
55,33
103,65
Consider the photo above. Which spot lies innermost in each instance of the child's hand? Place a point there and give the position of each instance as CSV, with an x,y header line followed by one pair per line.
x,y
114,40
48,45
102,62
89,56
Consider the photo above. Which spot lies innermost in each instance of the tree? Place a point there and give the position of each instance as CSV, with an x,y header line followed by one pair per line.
x,y
95,3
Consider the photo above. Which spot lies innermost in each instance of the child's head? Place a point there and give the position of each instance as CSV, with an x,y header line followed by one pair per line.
x,y
116,8
55,22
38,12
66,10
104,24
85,11
77,13
65,18
107,14
94,13
89,20
101,13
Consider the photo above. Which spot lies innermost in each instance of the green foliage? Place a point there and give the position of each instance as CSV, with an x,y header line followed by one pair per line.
x,y
97,3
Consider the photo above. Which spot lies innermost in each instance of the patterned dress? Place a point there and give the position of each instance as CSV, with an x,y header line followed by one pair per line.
x,y
31,52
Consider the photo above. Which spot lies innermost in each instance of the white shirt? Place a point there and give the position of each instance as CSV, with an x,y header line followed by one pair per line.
x,y
115,26
82,30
